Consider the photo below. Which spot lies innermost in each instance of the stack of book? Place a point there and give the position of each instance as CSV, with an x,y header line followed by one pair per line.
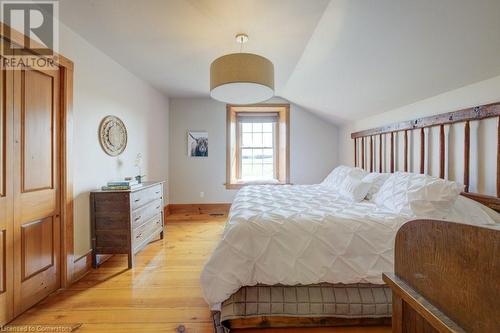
x,y
120,185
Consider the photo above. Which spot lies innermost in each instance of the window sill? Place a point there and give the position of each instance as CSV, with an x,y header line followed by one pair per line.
x,y
238,185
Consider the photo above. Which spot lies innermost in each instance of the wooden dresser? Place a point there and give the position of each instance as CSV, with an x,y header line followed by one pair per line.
x,y
124,222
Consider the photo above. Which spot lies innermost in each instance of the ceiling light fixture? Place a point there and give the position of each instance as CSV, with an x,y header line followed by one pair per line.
x,y
242,78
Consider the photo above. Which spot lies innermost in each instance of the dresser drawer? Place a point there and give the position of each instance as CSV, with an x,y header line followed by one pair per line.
x,y
143,197
142,233
145,213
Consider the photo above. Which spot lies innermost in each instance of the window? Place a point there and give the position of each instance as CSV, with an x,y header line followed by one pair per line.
x,y
256,151
257,144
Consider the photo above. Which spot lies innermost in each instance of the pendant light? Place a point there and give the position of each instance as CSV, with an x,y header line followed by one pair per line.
x,y
242,78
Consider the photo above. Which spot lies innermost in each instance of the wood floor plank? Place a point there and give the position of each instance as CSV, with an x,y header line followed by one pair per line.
x,y
126,298
178,278
118,315
160,293
145,328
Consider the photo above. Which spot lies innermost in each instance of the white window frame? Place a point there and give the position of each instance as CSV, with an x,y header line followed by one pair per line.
x,y
281,143
240,148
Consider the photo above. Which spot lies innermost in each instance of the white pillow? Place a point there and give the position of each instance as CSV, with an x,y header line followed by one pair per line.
x,y
416,194
377,180
354,189
337,176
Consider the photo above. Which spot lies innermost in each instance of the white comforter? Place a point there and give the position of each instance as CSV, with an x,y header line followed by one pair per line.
x,y
301,234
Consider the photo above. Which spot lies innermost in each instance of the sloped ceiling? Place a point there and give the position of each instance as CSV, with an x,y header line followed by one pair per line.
x,y
171,43
342,59
367,57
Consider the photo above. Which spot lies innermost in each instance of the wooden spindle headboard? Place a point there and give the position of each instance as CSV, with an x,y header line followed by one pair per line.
x,y
378,149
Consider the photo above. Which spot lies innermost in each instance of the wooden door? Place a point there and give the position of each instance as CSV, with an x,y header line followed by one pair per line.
x,y
36,186
6,196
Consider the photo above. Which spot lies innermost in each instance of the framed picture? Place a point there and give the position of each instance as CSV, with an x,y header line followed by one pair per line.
x,y
197,144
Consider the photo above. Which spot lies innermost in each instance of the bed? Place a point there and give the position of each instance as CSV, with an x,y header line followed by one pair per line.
x,y
305,255
457,293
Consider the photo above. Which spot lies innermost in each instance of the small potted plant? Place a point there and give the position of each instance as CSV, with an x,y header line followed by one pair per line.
x,y
138,165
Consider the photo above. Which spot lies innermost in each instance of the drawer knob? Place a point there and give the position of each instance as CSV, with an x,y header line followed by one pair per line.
x,y
157,192
158,207
138,218
137,200
139,235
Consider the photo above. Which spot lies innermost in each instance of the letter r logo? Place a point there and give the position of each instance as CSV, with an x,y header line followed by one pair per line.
x,y
36,20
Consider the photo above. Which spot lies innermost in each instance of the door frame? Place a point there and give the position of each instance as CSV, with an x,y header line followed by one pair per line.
x,y
66,66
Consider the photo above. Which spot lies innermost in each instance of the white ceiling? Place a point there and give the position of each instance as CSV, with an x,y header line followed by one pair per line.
x,y
171,43
367,57
342,59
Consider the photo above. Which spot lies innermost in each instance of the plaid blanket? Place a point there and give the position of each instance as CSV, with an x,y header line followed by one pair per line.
x,y
319,300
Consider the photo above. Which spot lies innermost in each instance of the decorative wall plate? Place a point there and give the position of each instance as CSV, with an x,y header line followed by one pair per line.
x,y
113,135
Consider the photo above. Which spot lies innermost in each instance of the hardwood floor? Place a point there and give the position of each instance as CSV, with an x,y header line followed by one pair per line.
x,y
159,294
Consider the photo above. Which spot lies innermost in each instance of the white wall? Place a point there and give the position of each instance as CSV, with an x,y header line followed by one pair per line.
x,y
313,150
482,164
103,87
